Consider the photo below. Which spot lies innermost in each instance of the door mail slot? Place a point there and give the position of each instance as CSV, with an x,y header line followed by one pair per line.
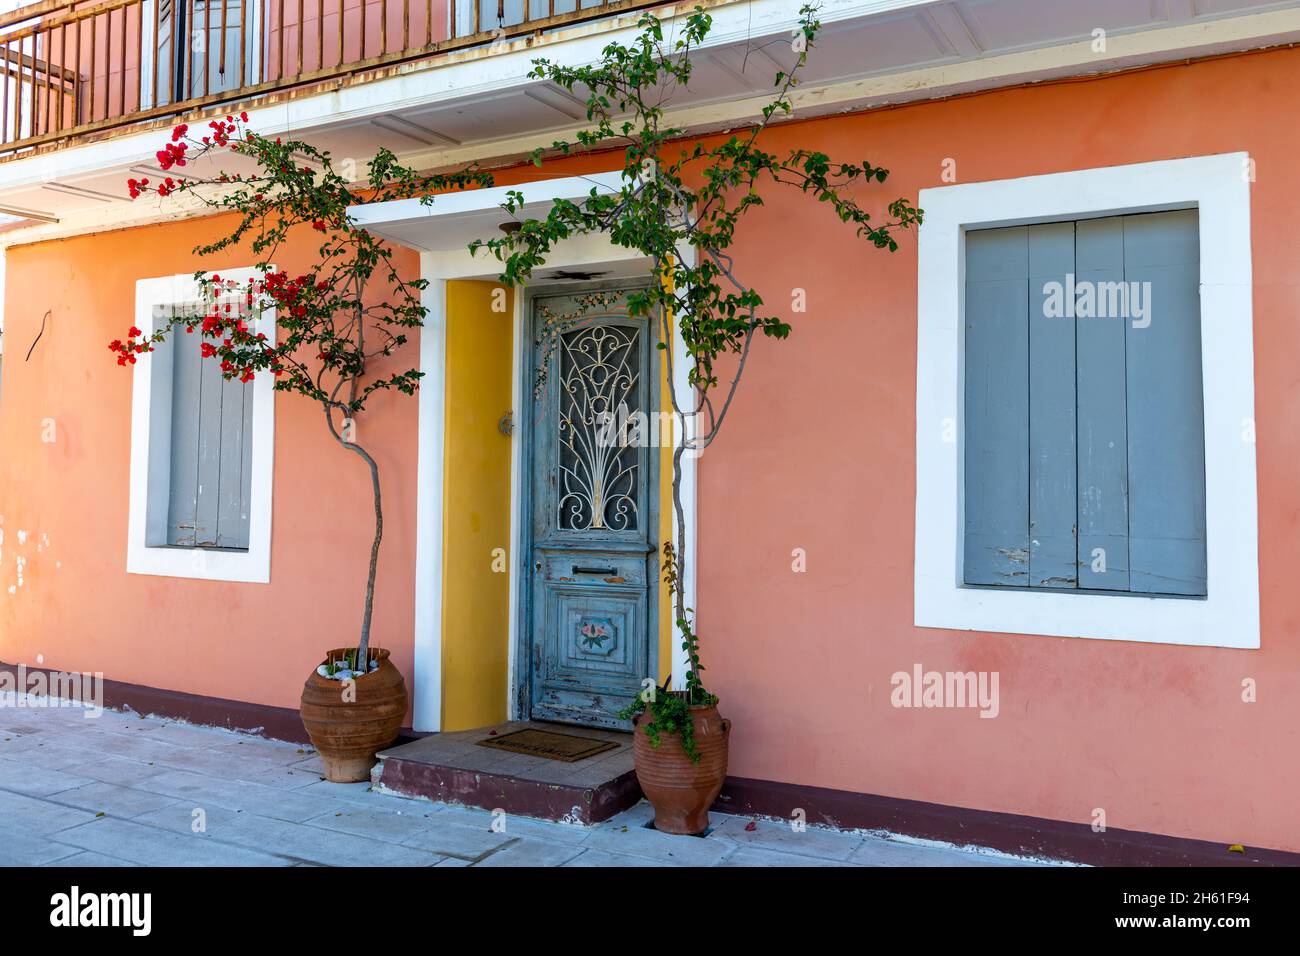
x,y
599,569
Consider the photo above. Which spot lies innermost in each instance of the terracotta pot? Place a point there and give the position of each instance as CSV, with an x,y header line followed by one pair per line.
x,y
348,734
681,792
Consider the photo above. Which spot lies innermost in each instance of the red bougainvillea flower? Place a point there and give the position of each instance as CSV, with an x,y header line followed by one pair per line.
x,y
127,351
172,154
318,225
221,130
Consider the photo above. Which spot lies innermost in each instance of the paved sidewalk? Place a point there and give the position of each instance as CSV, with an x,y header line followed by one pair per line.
x,y
122,790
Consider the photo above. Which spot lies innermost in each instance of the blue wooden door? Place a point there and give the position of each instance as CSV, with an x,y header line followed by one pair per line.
x,y
593,509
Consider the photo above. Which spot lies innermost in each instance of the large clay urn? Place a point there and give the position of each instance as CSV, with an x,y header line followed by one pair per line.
x,y
680,791
348,726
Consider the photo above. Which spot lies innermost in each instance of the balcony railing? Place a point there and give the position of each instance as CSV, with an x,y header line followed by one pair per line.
x,y
72,68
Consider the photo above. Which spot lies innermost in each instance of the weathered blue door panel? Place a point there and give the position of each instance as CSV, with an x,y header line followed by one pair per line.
x,y
593,564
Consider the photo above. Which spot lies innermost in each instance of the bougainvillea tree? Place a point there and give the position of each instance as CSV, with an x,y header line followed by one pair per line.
x,y
351,310
680,205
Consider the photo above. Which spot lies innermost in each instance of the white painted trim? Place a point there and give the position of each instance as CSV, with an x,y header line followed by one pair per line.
x,y
427,709
251,566
1218,187
580,252
381,217
686,399
520,398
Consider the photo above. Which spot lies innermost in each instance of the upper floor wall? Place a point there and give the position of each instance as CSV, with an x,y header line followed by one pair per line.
x,y
86,86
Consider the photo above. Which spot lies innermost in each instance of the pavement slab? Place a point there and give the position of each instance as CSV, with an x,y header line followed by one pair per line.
x,y
119,789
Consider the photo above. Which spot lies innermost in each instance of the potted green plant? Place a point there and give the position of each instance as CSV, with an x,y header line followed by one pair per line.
x,y
351,309
678,194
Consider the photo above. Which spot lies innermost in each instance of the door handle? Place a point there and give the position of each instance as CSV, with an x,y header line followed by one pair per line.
x,y
604,572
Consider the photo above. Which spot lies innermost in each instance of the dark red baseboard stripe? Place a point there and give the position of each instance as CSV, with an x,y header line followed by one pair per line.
x,y
262,720
279,723
1008,832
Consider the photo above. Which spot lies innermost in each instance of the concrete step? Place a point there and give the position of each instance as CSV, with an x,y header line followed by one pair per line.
x,y
453,768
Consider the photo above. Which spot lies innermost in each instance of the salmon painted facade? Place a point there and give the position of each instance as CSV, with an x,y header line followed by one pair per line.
x,y
946,551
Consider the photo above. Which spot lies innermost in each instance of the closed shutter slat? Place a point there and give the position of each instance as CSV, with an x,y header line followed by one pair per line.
x,y
1053,553
232,519
182,508
246,468
1103,415
996,408
205,519
1166,433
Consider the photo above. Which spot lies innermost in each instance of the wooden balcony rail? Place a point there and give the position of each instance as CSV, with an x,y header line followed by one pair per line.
x,y
71,68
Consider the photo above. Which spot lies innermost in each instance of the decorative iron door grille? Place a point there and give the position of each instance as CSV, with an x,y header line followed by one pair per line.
x,y
600,387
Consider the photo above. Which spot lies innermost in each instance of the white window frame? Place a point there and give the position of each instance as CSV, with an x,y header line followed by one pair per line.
x,y
1218,187
151,455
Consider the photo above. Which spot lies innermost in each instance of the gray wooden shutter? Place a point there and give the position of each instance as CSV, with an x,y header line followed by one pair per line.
x,y
996,420
1084,437
211,445
1166,416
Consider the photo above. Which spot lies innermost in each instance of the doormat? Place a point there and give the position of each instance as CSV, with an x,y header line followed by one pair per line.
x,y
544,743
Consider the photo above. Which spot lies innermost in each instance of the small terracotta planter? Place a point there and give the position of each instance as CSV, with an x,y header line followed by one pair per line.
x,y
348,734
680,791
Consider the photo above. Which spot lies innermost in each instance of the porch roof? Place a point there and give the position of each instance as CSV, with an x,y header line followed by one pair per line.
x,y
454,220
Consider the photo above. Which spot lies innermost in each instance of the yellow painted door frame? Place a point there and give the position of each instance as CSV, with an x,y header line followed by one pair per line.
x,y
476,504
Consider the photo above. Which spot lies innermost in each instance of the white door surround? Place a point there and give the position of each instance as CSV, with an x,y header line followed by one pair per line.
x,y
442,232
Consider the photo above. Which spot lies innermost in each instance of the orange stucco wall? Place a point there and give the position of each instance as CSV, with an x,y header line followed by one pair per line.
x,y
818,454
77,606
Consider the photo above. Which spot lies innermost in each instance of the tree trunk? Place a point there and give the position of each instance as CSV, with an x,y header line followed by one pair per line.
x,y
363,645
363,642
